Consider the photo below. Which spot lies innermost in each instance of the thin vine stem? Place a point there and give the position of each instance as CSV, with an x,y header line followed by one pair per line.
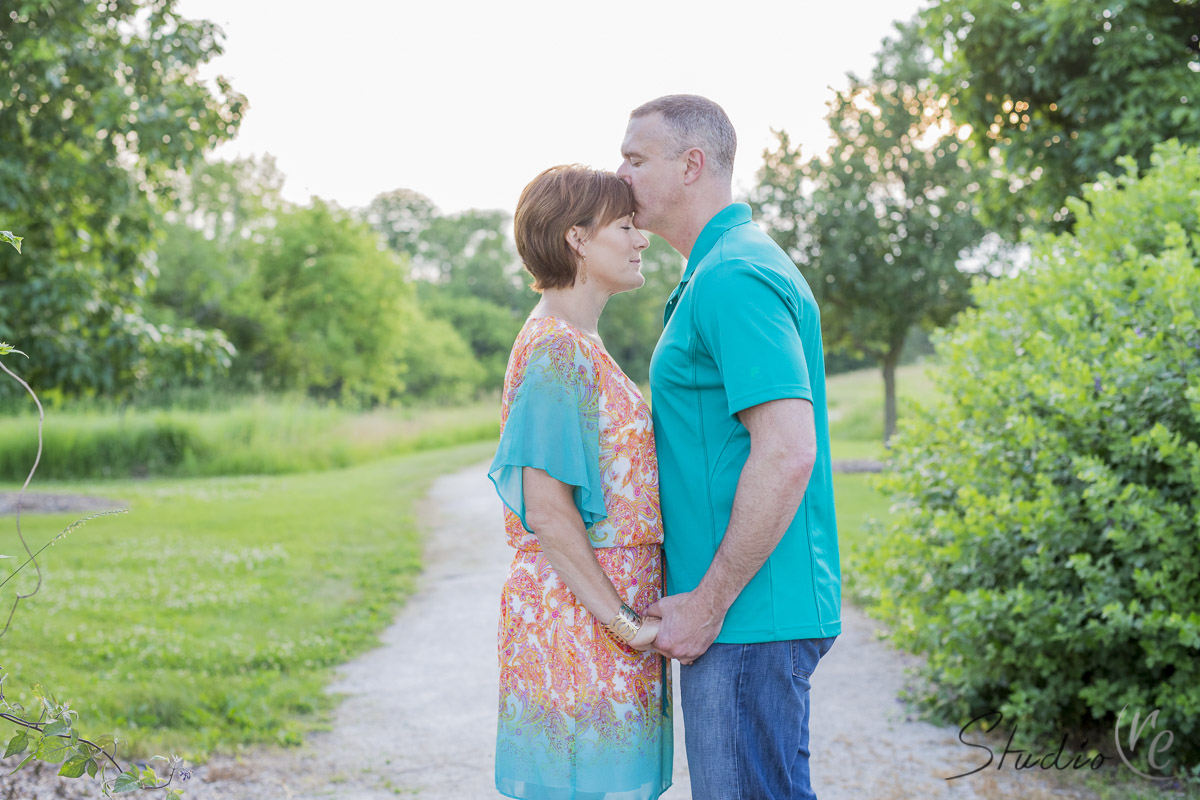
x,y
21,496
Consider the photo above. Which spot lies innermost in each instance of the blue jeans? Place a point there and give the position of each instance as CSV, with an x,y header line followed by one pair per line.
x,y
745,711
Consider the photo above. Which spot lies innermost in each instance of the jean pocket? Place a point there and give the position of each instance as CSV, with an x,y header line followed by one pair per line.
x,y
807,653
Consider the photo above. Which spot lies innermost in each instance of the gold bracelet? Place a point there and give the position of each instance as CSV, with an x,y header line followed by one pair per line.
x,y
625,624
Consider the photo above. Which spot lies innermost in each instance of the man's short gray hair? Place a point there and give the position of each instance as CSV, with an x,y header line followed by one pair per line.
x,y
695,121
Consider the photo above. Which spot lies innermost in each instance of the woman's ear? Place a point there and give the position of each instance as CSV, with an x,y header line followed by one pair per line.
x,y
576,239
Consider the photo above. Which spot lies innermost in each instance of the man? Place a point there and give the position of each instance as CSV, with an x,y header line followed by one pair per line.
x,y
741,426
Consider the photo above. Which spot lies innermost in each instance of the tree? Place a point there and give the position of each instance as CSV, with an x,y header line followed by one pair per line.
x,y
468,273
879,223
225,212
469,253
487,328
1053,92
401,216
101,103
332,308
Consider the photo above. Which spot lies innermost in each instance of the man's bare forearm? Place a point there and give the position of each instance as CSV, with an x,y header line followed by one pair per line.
x,y
770,490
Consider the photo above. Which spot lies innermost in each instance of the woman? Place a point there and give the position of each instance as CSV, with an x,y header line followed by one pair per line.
x,y
585,704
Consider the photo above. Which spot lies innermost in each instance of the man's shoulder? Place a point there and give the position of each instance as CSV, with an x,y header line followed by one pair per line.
x,y
732,270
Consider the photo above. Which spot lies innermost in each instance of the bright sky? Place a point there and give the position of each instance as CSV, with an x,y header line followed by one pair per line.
x,y
466,101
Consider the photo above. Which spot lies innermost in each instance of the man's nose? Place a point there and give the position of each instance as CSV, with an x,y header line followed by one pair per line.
x,y
623,174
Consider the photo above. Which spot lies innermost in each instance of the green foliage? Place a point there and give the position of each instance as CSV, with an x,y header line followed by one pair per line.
x,y
8,238
468,253
1044,546
469,286
458,348
878,225
333,309
308,297
256,437
101,104
488,329
1056,91
206,257
239,597
50,736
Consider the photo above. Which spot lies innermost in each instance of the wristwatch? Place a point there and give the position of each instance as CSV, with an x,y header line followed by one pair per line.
x,y
625,624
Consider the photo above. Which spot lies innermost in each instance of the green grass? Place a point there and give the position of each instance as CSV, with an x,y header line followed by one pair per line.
x,y
856,405
212,615
259,436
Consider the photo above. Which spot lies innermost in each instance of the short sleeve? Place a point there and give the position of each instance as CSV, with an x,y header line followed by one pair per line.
x,y
749,322
553,424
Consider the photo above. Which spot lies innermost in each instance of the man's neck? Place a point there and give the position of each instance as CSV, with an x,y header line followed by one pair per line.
x,y
683,236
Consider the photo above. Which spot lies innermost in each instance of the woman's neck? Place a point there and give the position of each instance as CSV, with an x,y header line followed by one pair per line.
x,y
575,305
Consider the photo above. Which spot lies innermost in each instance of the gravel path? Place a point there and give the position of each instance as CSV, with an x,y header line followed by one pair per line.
x,y
418,716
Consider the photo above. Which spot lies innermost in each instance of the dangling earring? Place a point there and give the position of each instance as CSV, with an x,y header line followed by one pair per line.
x,y
583,268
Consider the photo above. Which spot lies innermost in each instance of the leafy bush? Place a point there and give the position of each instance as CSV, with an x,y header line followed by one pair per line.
x,y
1046,538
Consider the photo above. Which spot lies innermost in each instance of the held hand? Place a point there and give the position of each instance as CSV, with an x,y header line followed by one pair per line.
x,y
646,634
688,627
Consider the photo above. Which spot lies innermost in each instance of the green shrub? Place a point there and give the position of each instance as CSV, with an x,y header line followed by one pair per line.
x,y
1045,550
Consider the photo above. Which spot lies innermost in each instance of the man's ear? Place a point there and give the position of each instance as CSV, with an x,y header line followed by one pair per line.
x,y
693,165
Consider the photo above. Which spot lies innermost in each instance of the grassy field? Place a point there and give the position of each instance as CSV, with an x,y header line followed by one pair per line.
x,y
211,616
856,407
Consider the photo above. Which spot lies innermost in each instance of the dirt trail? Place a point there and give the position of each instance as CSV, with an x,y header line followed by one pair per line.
x,y
418,716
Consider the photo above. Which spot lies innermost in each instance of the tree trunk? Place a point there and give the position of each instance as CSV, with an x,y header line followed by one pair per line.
x,y
889,391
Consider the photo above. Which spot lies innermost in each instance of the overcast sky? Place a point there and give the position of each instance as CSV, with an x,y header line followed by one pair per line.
x,y
466,101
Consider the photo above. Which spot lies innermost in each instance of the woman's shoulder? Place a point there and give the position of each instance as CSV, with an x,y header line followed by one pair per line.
x,y
551,335
550,342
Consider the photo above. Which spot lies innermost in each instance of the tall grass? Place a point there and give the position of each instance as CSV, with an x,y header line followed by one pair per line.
x,y
258,437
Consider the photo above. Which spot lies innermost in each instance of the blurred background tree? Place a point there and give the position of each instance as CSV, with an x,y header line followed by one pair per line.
x,y
102,103
880,223
1052,93
469,276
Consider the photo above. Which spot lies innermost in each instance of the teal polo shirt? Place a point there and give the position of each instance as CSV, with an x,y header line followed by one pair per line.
x,y
742,328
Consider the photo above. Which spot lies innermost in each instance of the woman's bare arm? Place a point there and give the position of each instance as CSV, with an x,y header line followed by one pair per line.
x,y
551,513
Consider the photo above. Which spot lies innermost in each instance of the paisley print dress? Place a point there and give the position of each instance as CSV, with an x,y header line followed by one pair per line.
x,y
581,716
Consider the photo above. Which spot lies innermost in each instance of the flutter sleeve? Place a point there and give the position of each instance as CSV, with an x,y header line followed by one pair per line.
x,y
553,424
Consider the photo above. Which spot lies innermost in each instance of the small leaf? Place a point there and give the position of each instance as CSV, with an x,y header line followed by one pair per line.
x,y
126,783
60,728
74,768
92,767
17,744
53,750
15,241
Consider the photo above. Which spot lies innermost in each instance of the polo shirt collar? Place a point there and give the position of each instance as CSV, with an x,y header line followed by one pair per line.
x,y
731,216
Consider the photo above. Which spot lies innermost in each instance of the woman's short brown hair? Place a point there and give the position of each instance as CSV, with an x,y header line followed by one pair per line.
x,y
554,202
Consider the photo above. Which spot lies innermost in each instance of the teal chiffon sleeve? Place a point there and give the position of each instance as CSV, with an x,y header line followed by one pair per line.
x,y
553,424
